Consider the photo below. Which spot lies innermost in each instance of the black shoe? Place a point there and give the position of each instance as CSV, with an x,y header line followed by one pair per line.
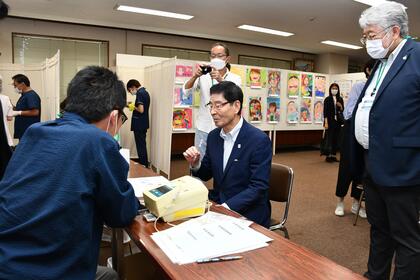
x,y
329,159
334,159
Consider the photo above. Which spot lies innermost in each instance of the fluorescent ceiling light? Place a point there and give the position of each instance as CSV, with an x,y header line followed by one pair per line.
x,y
265,30
371,2
343,45
152,12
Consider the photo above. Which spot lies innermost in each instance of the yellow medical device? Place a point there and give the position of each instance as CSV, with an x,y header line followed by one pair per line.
x,y
182,198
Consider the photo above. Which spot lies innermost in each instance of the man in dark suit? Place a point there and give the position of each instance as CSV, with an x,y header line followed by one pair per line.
x,y
386,142
140,119
238,157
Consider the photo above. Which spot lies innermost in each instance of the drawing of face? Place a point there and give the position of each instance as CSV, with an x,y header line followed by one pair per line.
x,y
177,122
272,108
180,71
306,81
318,110
320,83
273,79
292,85
255,76
291,108
304,115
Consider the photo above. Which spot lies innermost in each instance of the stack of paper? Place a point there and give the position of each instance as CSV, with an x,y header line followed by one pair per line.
x,y
209,236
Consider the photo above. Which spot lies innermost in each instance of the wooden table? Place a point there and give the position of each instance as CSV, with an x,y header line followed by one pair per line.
x,y
282,259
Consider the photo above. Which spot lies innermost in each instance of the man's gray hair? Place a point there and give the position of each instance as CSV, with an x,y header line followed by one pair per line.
x,y
387,14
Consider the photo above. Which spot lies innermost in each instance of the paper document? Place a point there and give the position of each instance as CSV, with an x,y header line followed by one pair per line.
x,y
209,236
146,183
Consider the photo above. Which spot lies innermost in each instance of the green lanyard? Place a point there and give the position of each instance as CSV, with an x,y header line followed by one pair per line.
x,y
224,77
378,79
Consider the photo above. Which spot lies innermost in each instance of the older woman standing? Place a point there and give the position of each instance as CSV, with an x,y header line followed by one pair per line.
x,y
386,142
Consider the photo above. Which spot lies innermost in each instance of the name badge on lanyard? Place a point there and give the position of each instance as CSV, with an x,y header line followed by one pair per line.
x,y
366,103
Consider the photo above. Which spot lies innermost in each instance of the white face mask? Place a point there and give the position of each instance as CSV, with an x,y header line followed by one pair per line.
x,y
375,48
218,63
334,92
18,91
116,132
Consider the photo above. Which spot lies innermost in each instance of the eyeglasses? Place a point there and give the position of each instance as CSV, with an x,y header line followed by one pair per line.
x,y
123,116
372,36
217,55
216,106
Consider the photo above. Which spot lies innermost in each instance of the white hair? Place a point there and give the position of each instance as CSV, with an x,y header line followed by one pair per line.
x,y
386,14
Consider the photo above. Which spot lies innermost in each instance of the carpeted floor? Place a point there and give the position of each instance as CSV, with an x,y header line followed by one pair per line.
x,y
311,221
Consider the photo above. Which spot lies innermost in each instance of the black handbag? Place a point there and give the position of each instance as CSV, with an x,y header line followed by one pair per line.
x,y
325,147
340,118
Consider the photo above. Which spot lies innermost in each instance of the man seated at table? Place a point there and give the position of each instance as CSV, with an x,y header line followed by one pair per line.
x,y
64,181
238,157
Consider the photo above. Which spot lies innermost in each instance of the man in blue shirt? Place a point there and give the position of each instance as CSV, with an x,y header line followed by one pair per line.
x,y
140,119
64,181
28,107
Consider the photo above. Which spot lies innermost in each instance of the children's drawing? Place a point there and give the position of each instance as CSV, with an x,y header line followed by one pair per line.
x,y
256,77
273,109
293,85
305,110
320,86
182,98
273,83
307,85
292,114
319,111
255,109
183,71
182,118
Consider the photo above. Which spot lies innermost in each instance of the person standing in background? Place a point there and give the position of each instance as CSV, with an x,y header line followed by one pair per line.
x,y
6,141
28,107
385,142
333,107
140,119
344,173
219,62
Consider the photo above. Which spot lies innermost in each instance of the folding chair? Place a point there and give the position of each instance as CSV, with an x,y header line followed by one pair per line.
x,y
281,182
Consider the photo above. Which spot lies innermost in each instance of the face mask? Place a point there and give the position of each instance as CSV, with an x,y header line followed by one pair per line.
x,y
218,63
334,91
133,92
375,48
18,91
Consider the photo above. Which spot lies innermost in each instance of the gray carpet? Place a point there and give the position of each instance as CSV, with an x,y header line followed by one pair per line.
x,y
311,221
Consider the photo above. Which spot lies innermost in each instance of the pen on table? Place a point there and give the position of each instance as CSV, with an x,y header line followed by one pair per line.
x,y
221,259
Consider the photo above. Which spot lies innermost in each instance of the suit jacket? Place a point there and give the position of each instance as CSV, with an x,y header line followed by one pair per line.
x,y
393,158
243,185
330,110
140,121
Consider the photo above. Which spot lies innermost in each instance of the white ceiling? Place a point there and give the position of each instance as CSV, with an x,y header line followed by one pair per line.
x,y
312,21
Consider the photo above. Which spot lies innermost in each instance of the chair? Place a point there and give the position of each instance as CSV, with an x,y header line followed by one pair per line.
x,y
281,182
362,197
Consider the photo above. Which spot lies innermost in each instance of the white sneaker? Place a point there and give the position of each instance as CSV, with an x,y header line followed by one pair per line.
x,y
362,211
339,210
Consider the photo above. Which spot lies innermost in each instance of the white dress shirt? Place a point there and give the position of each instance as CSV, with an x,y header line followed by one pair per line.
x,y
204,121
363,111
229,140
7,109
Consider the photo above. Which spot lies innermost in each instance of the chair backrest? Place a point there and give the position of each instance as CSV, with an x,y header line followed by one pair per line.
x,y
281,183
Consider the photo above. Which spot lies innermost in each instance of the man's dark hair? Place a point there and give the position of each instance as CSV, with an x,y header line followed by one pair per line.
x,y
231,92
369,66
4,9
217,44
94,92
20,78
133,83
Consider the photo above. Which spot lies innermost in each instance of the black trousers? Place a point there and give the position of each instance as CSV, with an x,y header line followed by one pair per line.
x,y
333,136
393,213
344,175
140,138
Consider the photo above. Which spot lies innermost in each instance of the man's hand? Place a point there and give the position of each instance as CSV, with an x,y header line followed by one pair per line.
x,y
198,72
216,75
192,155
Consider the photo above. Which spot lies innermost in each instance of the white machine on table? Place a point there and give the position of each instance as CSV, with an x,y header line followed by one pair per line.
x,y
182,198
